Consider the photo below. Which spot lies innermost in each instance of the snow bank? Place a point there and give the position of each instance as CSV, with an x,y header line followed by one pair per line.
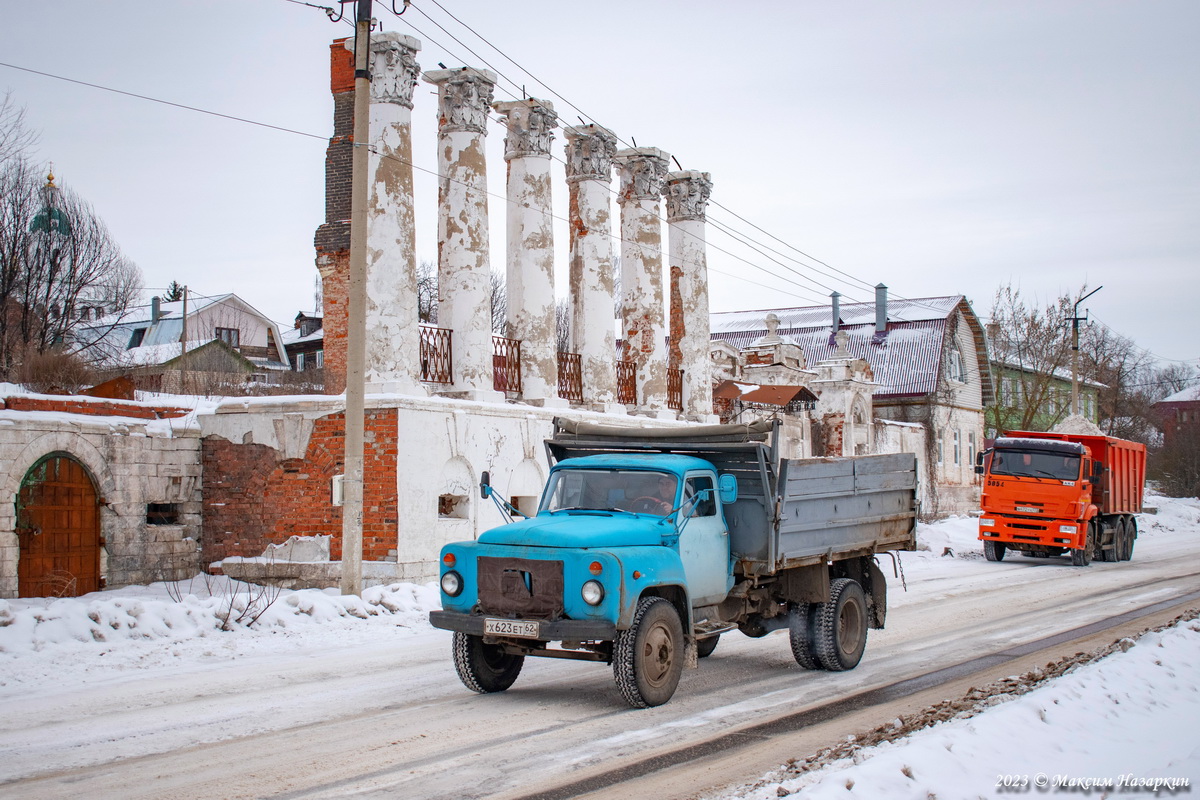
x,y
34,624
1045,741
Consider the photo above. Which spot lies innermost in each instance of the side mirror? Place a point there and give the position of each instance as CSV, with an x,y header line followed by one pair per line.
x,y
485,488
727,484
979,462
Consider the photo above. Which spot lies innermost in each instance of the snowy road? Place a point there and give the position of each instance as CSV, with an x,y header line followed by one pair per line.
x,y
376,710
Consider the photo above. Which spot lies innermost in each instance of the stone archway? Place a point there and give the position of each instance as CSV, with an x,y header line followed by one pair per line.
x,y
58,529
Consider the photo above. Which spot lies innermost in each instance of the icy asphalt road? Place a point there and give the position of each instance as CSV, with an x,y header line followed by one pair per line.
x,y
380,712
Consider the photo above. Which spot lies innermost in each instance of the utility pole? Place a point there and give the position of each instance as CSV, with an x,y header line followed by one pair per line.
x,y
352,509
1075,320
183,340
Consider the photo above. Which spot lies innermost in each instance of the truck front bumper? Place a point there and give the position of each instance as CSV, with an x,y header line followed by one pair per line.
x,y
1066,533
559,630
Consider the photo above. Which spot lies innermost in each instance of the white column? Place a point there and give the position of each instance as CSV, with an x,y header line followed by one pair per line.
x,y
392,333
643,172
590,150
530,246
464,270
687,198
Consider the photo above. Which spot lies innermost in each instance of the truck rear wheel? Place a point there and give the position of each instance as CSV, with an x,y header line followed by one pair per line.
x,y
705,647
840,626
993,551
484,668
648,658
1130,538
800,631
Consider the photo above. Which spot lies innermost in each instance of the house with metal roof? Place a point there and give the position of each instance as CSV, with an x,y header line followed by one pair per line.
x,y
927,357
203,342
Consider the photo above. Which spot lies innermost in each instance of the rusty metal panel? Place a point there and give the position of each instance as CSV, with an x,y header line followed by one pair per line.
x,y
627,382
674,389
58,530
506,365
436,350
521,587
570,377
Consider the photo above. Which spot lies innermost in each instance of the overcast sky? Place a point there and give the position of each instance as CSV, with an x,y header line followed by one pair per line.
x,y
941,147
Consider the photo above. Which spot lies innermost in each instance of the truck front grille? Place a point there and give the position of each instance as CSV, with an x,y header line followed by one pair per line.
x,y
521,587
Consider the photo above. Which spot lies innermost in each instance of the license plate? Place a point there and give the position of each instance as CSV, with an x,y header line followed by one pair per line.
x,y
1028,510
511,627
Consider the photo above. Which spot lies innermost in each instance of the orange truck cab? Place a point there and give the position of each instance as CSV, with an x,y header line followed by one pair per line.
x,y
1049,493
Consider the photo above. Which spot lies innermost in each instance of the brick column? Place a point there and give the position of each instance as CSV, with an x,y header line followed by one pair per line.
x,y
393,360
530,246
643,171
464,271
687,198
590,150
332,240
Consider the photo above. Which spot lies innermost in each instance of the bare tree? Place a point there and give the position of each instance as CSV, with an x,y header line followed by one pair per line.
x,y
57,258
16,139
427,297
1030,343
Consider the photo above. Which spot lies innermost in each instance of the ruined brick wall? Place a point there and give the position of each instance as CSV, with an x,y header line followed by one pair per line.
x,y
253,497
332,240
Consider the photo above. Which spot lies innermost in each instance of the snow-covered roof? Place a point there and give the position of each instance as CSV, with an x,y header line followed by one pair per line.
x,y
904,363
1189,395
292,336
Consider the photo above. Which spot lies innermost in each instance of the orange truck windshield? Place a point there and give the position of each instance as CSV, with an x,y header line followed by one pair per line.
x,y
1035,464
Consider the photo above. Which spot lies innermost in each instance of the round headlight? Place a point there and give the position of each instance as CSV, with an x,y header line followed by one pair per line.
x,y
593,593
452,583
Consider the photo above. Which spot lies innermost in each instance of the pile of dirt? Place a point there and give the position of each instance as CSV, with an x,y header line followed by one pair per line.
x,y
970,704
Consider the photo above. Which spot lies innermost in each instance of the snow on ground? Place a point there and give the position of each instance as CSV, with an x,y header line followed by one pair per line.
x,y
1144,701
1136,709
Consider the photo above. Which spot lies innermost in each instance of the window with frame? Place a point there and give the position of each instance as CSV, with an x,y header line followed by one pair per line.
x,y
957,447
941,446
706,507
230,336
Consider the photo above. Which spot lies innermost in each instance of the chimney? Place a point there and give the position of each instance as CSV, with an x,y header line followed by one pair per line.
x,y
837,311
881,309
155,311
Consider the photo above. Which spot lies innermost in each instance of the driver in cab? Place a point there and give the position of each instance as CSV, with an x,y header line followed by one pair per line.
x,y
659,497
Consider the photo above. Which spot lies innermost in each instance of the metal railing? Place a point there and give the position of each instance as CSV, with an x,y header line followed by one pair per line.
x,y
436,363
675,389
506,365
570,377
627,382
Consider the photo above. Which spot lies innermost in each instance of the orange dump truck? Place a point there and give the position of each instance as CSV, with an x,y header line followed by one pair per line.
x,y
1049,493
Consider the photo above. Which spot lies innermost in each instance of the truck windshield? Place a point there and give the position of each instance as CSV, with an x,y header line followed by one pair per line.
x,y
1035,464
639,491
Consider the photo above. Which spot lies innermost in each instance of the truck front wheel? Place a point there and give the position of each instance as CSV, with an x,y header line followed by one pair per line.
x,y
993,551
648,658
484,668
840,626
1083,556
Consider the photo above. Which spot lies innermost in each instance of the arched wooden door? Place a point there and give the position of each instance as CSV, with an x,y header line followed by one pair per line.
x,y
58,527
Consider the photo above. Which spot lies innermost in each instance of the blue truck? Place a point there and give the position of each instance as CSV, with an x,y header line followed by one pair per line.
x,y
649,544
